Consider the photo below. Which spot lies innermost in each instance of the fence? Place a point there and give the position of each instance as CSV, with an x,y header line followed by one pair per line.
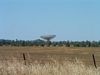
x,y
25,57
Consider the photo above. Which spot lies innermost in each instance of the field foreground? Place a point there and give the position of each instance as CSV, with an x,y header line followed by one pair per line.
x,y
49,61
43,54
56,68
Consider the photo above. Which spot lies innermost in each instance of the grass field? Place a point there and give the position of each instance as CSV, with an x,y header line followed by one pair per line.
x,y
45,53
49,61
56,68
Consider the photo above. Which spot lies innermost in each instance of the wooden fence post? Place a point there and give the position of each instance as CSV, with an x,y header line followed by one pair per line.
x,y
24,57
94,61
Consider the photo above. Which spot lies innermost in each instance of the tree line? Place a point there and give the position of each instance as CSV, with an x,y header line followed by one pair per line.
x,y
43,43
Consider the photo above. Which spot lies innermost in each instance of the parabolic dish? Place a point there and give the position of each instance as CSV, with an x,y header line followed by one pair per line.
x,y
48,37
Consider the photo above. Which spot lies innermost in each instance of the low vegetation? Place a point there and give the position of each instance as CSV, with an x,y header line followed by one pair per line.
x,y
56,68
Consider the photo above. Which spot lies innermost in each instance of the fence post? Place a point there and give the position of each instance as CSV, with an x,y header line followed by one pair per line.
x,y
94,61
24,57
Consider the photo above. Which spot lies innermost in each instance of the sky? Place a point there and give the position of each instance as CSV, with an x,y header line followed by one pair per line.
x,y
67,19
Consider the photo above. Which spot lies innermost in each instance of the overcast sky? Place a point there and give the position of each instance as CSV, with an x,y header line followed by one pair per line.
x,y
67,19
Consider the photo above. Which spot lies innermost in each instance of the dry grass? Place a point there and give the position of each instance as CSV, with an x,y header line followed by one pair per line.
x,y
60,53
56,68
17,67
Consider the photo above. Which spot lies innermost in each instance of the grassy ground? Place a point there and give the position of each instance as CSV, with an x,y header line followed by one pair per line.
x,y
55,68
44,53
48,61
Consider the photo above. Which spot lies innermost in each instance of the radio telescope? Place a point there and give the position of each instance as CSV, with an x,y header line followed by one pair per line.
x,y
48,38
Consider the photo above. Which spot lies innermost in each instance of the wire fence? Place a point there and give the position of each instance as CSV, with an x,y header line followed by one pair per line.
x,y
29,58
